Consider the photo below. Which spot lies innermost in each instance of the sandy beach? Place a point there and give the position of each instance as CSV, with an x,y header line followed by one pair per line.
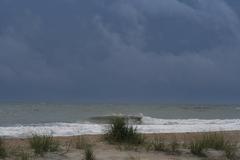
x,y
104,151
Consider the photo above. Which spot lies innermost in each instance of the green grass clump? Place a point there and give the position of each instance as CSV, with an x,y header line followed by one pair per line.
x,y
88,153
230,151
43,143
3,152
121,132
197,147
157,144
213,141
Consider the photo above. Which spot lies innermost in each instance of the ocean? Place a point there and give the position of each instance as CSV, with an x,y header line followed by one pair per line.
x,y
19,119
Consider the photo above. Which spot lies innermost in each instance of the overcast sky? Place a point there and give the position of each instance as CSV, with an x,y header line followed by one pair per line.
x,y
120,50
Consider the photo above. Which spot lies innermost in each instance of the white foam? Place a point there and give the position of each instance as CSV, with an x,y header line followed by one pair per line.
x,y
155,121
149,125
55,129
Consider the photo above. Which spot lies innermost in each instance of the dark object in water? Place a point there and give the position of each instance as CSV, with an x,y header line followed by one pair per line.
x,y
108,119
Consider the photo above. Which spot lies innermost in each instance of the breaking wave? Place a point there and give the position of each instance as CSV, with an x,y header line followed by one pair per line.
x,y
148,125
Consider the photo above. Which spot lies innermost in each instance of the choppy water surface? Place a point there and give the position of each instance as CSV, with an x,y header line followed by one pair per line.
x,y
62,119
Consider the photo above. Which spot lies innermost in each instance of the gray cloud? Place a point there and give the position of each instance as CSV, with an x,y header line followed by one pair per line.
x,y
171,50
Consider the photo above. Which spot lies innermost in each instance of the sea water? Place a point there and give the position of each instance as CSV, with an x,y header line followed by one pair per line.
x,y
21,119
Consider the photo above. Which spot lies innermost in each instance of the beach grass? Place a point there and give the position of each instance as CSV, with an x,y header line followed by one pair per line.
x,y
212,141
88,153
3,152
230,151
43,143
203,145
157,144
197,147
120,131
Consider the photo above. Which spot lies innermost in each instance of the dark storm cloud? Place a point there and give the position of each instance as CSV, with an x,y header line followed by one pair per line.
x,y
112,50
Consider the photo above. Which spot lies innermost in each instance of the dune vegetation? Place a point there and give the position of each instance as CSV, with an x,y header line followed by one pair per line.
x,y
120,131
120,139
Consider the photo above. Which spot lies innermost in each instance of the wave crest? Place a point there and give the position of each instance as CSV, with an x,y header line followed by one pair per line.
x,y
148,125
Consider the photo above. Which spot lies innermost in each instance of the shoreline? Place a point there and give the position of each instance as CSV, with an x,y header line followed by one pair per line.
x,y
146,134
232,135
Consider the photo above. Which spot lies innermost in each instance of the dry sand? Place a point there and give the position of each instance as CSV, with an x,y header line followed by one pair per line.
x,y
104,151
